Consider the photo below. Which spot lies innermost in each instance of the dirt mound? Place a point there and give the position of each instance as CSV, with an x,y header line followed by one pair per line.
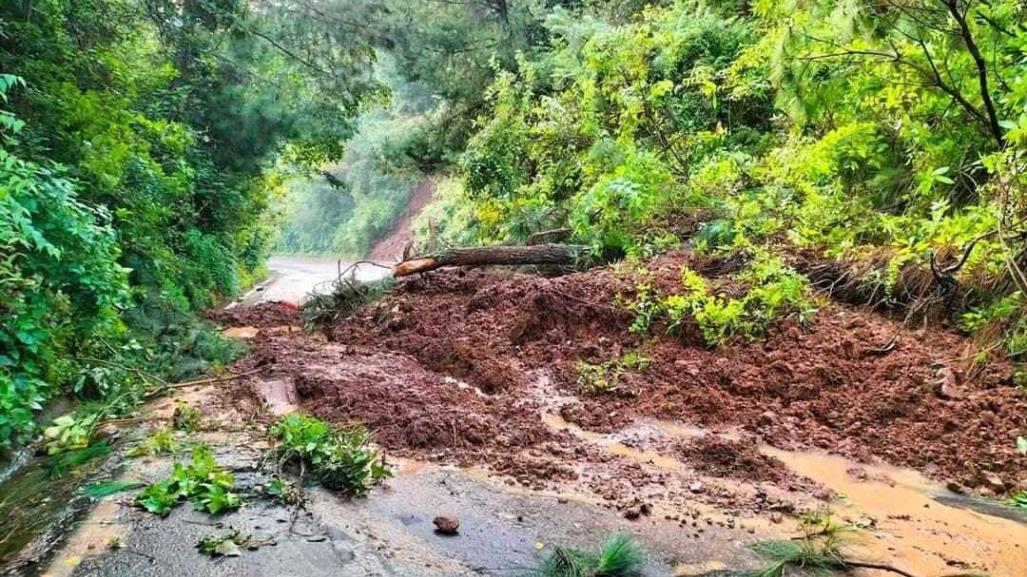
x,y
410,409
391,248
261,316
832,384
721,457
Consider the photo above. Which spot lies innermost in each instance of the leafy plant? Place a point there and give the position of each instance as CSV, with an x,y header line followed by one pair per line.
x,y
618,557
346,297
68,433
340,459
228,544
284,492
772,291
200,481
606,377
160,442
1019,499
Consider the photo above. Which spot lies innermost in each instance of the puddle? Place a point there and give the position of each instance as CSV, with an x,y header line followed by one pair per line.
x,y
912,528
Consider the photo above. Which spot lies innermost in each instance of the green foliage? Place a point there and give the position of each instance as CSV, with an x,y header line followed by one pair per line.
x,y
140,150
772,291
1019,499
882,136
347,296
339,459
228,544
618,557
68,433
285,492
606,377
160,442
186,417
818,550
200,481
346,214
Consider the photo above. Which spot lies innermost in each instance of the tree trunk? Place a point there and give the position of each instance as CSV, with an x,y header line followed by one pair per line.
x,y
553,254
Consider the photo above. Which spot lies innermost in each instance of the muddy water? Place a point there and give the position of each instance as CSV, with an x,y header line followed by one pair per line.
x,y
38,504
906,520
911,528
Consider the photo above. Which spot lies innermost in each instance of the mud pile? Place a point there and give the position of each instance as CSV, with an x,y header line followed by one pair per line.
x,y
260,316
832,384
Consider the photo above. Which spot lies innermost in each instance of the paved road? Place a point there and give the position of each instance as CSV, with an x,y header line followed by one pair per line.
x,y
292,278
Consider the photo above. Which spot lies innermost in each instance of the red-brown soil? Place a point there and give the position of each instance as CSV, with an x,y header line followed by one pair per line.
x,y
409,364
390,249
824,385
261,316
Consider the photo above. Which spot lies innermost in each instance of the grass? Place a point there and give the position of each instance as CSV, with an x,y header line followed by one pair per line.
x,y
618,557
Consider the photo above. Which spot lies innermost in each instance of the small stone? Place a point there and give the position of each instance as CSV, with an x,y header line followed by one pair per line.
x,y
646,509
696,487
955,487
776,518
995,483
632,513
446,525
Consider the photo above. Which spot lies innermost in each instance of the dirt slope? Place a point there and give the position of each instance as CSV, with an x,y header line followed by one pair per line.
x,y
391,247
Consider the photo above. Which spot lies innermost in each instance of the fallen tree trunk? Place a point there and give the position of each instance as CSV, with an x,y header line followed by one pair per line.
x,y
551,254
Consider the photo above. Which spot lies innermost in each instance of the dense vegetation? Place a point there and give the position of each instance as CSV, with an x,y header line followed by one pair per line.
x,y
140,150
878,146
875,147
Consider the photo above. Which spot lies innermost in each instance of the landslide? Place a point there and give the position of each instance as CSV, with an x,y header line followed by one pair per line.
x,y
831,384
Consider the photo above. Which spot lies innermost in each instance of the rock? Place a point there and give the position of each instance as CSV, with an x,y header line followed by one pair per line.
x,y
955,487
776,517
994,483
767,418
696,487
446,525
632,513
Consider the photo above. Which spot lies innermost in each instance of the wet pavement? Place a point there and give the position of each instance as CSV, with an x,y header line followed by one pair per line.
x,y
503,528
292,278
